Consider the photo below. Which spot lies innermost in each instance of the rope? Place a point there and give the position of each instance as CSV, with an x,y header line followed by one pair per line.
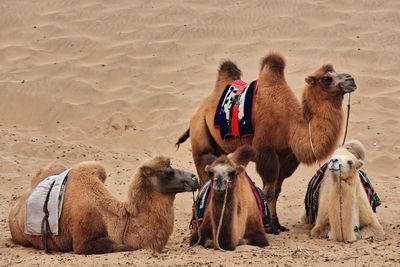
x,y
125,228
341,202
312,146
347,120
220,221
197,221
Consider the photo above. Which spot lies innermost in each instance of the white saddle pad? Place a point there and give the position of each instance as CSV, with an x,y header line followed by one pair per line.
x,y
34,213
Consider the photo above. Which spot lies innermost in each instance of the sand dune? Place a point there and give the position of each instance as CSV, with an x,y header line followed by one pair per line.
x,y
117,82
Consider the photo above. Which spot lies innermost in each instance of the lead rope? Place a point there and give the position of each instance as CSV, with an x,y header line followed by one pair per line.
x,y
341,202
220,222
347,120
312,146
197,220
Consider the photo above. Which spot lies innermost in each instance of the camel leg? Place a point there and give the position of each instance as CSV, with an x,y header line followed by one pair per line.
x,y
206,234
255,239
202,144
267,166
288,165
90,235
369,224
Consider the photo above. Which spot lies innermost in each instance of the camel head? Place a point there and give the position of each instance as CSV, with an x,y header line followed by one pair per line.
x,y
224,170
331,83
165,179
344,165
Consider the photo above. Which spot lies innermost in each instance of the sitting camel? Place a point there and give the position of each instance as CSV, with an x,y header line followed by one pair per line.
x,y
93,221
285,131
344,211
241,222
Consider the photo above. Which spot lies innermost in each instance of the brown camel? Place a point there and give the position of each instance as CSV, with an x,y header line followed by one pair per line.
x,y
93,221
283,127
241,221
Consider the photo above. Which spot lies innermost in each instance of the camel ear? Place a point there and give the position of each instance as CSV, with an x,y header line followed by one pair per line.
x,y
359,164
310,80
146,170
243,155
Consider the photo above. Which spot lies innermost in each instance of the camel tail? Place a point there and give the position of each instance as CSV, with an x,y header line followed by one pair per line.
x,y
228,69
273,63
182,139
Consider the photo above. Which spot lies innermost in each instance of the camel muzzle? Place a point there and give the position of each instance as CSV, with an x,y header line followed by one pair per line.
x,y
348,84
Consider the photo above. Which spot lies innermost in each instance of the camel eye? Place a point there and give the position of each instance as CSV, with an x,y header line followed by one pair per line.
x,y
326,79
232,174
350,162
169,173
210,174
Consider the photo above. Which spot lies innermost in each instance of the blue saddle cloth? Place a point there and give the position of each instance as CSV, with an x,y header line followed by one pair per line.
x,y
312,194
233,116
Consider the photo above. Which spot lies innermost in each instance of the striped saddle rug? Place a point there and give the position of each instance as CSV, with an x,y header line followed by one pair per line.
x,y
312,194
234,114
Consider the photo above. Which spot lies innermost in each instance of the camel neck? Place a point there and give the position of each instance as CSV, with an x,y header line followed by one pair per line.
x,y
225,237
320,123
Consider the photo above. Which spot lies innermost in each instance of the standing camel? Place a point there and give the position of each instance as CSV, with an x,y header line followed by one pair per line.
x,y
283,127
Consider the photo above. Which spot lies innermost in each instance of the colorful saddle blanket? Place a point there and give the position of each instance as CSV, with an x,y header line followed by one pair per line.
x,y
234,112
201,203
312,195
48,192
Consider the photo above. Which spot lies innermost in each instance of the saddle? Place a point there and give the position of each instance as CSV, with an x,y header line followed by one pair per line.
x,y
234,114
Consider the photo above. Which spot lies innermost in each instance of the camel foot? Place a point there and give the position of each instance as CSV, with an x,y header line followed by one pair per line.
x,y
277,228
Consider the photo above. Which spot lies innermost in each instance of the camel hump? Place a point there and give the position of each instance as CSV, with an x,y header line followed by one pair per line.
x,y
91,168
228,68
273,62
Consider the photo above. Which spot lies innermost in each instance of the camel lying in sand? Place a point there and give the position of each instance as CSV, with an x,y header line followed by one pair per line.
x,y
93,221
344,211
241,222
283,127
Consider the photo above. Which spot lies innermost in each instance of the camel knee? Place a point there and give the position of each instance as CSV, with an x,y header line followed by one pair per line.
x,y
255,239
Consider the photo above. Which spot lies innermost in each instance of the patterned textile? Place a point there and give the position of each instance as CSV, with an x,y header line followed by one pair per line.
x,y
312,194
203,199
34,213
234,112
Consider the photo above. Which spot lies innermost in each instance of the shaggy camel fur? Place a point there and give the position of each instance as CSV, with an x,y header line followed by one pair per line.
x,y
241,222
93,221
344,212
282,124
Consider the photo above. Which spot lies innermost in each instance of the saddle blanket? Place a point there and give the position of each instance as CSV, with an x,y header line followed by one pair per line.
x,y
234,112
312,194
34,205
203,199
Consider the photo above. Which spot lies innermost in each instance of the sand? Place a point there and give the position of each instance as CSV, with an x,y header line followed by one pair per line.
x,y
117,82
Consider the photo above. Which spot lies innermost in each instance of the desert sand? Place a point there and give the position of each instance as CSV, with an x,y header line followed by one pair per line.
x,y
117,82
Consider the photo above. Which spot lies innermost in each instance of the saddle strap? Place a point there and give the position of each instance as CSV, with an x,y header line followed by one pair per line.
x,y
45,229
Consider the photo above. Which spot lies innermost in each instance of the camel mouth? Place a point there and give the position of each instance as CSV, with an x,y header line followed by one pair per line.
x,y
348,84
191,188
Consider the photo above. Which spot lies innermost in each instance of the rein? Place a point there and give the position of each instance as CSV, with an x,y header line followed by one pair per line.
x,y
345,133
220,222
341,202
125,228
347,120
